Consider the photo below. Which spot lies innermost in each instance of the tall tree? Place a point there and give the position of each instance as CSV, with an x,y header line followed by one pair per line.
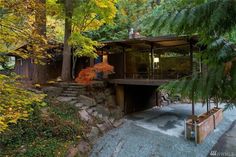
x,y
66,65
80,17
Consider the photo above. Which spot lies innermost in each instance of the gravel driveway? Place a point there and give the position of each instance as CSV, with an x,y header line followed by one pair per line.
x,y
158,133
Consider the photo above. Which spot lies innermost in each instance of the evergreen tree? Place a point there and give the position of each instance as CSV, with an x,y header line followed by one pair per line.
x,y
214,21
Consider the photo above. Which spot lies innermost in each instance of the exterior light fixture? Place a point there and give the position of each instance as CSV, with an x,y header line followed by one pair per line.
x,y
156,60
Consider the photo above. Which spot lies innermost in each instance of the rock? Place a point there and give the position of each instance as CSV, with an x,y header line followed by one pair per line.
x,y
52,91
111,120
35,90
93,135
69,94
83,147
106,119
90,111
66,99
118,123
111,100
84,107
107,92
100,116
87,100
84,115
104,127
79,105
73,102
100,98
103,111
95,113
116,113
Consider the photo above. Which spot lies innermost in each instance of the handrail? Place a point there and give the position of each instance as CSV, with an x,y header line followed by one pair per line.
x,y
146,75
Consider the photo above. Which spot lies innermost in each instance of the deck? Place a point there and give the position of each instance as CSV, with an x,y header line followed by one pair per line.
x,y
146,82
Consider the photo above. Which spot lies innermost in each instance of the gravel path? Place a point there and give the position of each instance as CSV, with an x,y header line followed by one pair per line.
x,y
158,133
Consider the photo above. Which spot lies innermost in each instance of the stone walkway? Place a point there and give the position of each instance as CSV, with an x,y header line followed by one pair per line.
x,y
159,133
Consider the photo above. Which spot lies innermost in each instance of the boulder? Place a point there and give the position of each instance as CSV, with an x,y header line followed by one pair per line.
x,y
104,127
118,122
79,105
93,135
87,100
83,147
111,100
103,111
84,115
66,99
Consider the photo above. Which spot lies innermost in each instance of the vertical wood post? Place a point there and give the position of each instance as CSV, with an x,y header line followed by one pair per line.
x,y
152,56
124,63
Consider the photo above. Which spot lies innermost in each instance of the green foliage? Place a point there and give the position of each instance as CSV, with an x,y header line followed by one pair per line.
x,y
214,22
14,101
129,15
17,26
187,18
83,45
48,132
87,16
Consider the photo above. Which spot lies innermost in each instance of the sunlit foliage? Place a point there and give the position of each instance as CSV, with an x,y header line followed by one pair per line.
x,y
15,102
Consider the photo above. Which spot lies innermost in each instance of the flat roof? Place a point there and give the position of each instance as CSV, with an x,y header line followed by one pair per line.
x,y
168,41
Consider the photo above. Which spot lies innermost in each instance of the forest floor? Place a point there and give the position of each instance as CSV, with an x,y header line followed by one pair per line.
x,y
50,131
159,132
73,119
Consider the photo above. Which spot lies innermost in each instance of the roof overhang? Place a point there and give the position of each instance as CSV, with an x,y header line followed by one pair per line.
x,y
160,42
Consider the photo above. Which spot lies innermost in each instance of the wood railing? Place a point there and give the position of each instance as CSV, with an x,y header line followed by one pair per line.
x,y
144,75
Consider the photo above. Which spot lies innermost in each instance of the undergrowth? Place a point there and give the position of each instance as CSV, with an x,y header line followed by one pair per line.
x,y
49,132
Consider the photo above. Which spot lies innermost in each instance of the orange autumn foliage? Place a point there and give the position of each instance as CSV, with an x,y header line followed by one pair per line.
x,y
86,75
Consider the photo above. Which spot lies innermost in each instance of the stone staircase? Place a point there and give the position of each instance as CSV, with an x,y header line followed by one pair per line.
x,y
71,92
74,94
96,115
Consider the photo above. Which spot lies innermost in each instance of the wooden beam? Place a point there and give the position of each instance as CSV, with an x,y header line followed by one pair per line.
x,y
124,62
152,56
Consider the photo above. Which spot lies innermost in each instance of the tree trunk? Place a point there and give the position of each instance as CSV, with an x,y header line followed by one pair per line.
x,y
39,71
66,65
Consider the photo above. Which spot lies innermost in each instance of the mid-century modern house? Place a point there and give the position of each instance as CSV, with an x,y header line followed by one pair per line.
x,y
140,65
143,64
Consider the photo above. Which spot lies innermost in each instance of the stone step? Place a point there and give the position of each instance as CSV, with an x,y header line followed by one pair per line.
x,y
82,87
74,89
79,105
75,84
68,94
66,99
73,102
